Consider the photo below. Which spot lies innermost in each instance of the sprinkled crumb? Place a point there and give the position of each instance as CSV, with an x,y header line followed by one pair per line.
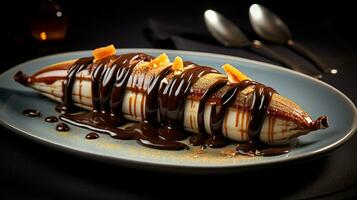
x,y
230,153
108,145
198,152
64,133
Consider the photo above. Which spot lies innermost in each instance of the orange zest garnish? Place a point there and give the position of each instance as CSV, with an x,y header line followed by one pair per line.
x,y
103,52
234,75
159,61
178,64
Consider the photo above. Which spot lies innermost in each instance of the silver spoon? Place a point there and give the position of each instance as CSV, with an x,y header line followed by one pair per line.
x,y
227,33
270,27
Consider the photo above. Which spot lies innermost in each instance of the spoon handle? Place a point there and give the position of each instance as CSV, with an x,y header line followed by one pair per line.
x,y
309,55
259,48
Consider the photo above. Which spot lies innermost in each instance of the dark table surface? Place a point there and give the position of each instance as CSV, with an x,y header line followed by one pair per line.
x,y
32,170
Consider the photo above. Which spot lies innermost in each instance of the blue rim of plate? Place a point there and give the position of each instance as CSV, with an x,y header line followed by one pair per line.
x,y
175,167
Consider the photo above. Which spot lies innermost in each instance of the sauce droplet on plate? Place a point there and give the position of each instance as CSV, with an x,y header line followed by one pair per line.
x,y
31,113
92,136
51,119
62,127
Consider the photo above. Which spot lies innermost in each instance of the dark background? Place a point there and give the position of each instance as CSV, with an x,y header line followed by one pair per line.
x,y
32,170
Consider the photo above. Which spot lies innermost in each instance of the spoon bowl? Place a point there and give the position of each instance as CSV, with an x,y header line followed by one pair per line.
x,y
224,30
270,27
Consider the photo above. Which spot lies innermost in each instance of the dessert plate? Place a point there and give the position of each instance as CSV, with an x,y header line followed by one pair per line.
x,y
314,96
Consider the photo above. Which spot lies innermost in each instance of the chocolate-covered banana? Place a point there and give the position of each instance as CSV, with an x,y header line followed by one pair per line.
x,y
169,99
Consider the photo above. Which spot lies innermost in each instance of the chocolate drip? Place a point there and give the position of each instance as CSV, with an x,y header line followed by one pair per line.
x,y
217,115
172,97
218,112
152,106
261,100
214,141
200,115
96,76
106,85
78,66
125,63
197,140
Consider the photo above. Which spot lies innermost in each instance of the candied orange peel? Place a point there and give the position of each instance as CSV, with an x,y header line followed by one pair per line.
x,y
234,75
103,52
159,61
178,64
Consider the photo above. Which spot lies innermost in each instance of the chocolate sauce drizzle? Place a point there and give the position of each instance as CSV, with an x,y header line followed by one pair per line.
x,y
162,125
78,66
215,140
171,101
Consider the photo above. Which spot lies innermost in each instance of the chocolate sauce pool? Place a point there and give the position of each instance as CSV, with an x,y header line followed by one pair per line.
x,y
165,99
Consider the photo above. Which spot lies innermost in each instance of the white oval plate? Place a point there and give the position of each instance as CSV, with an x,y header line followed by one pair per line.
x,y
314,96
